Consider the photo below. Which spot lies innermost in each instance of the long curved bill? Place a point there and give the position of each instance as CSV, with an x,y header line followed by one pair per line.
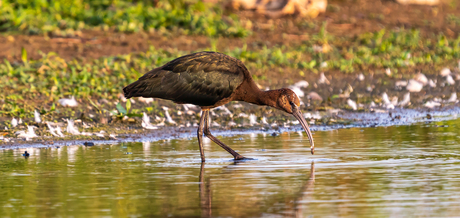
x,y
298,115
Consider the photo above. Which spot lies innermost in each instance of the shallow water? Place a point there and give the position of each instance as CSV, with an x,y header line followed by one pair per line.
x,y
394,171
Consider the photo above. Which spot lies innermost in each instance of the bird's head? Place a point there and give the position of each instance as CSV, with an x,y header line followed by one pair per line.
x,y
290,103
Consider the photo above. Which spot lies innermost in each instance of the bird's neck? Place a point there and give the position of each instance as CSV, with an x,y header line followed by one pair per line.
x,y
269,98
259,97
252,94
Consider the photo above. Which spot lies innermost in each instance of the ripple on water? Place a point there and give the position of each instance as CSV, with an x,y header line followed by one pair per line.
x,y
384,172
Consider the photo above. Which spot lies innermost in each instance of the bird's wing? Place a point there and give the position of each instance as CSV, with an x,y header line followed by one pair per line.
x,y
202,79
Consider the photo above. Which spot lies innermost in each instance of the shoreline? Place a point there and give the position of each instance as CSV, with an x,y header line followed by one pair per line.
x,y
398,117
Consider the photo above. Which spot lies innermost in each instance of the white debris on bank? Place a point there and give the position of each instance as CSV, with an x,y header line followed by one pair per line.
x,y
68,102
253,120
421,78
388,71
322,79
146,122
71,127
55,131
37,117
352,104
14,122
414,86
27,135
453,98
405,101
168,117
445,72
450,80
432,104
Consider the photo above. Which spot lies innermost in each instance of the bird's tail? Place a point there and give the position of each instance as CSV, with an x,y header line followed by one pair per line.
x,y
147,86
131,90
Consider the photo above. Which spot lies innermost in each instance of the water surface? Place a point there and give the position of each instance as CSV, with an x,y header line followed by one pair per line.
x,y
394,171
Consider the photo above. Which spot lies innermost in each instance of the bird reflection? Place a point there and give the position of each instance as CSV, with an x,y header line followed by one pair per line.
x,y
305,192
205,194
302,195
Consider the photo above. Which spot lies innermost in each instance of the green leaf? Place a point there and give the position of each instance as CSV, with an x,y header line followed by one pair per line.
x,y
128,105
24,55
121,109
134,115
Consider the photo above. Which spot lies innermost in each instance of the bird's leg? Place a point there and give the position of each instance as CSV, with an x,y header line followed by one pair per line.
x,y
217,141
200,134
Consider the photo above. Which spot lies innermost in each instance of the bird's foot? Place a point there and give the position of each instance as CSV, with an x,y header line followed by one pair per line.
x,y
242,158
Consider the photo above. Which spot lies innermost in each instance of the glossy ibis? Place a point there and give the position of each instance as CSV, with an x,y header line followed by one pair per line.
x,y
209,80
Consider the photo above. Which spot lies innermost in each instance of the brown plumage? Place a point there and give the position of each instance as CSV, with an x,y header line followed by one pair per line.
x,y
209,80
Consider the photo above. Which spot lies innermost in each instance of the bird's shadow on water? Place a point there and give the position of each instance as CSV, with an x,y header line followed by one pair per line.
x,y
296,210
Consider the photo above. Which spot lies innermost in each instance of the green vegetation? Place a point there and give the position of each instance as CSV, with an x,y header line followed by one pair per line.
x,y
65,17
368,51
38,84
452,19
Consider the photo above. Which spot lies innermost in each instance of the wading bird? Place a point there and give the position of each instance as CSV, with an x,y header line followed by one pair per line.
x,y
209,80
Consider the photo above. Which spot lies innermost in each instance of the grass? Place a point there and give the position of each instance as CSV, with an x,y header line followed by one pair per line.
x,y
67,17
38,84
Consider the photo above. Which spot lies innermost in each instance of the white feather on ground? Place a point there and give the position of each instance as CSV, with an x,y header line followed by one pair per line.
x,y
432,83
168,117
420,77
68,102
14,122
27,135
445,72
388,72
215,124
352,104
401,83
386,101
414,86
432,104
450,80
37,117
146,122
406,100
253,120
225,109
113,136
100,134
264,121
385,98
55,131
71,127
243,115
309,115
301,84
297,91
394,100
187,110
145,100
231,123
322,79
297,88
453,98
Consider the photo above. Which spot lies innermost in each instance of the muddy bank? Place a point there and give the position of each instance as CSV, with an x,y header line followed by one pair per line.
x,y
399,116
